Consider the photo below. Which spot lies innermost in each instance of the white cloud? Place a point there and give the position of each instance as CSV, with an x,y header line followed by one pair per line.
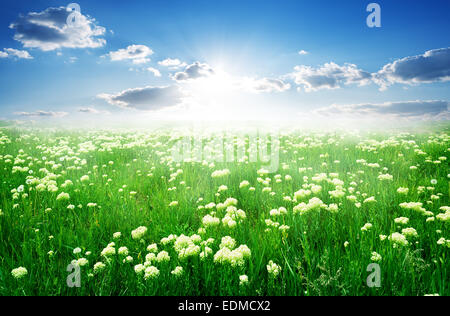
x,y
11,52
329,76
194,71
48,30
303,52
154,71
89,110
146,98
42,114
138,54
172,63
264,85
418,109
432,66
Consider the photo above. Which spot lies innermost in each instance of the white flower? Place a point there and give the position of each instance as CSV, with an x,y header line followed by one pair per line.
x,y
163,256
401,220
63,197
123,251
178,271
244,184
403,191
152,248
82,262
273,269
151,273
139,232
409,232
117,235
84,178
227,242
77,251
108,251
243,280
220,173
398,239
376,257
139,268
366,227
19,272
99,266
209,220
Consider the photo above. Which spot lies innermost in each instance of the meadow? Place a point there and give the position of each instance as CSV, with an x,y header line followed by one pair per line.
x,y
135,221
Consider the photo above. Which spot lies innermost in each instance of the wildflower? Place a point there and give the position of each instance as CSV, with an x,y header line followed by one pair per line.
x,y
415,206
84,178
401,220
178,271
123,251
220,173
173,203
117,235
346,244
77,251
99,266
108,251
366,227
151,273
63,197
398,239
403,191
386,176
243,280
139,268
409,232
376,257
273,269
163,256
370,200
82,262
222,188
139,232
152,248
19,272
209,220
227,242
244,184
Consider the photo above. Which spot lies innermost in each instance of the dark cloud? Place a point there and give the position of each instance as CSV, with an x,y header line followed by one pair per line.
x,y
146,98
48,30
432,66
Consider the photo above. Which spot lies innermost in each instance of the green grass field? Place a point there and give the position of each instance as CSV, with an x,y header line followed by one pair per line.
x,y
137,222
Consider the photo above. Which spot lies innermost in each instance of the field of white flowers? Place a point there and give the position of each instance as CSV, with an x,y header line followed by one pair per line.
x,y
135,221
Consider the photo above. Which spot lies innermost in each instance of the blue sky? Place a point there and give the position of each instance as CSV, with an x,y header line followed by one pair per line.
x,y
239,52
